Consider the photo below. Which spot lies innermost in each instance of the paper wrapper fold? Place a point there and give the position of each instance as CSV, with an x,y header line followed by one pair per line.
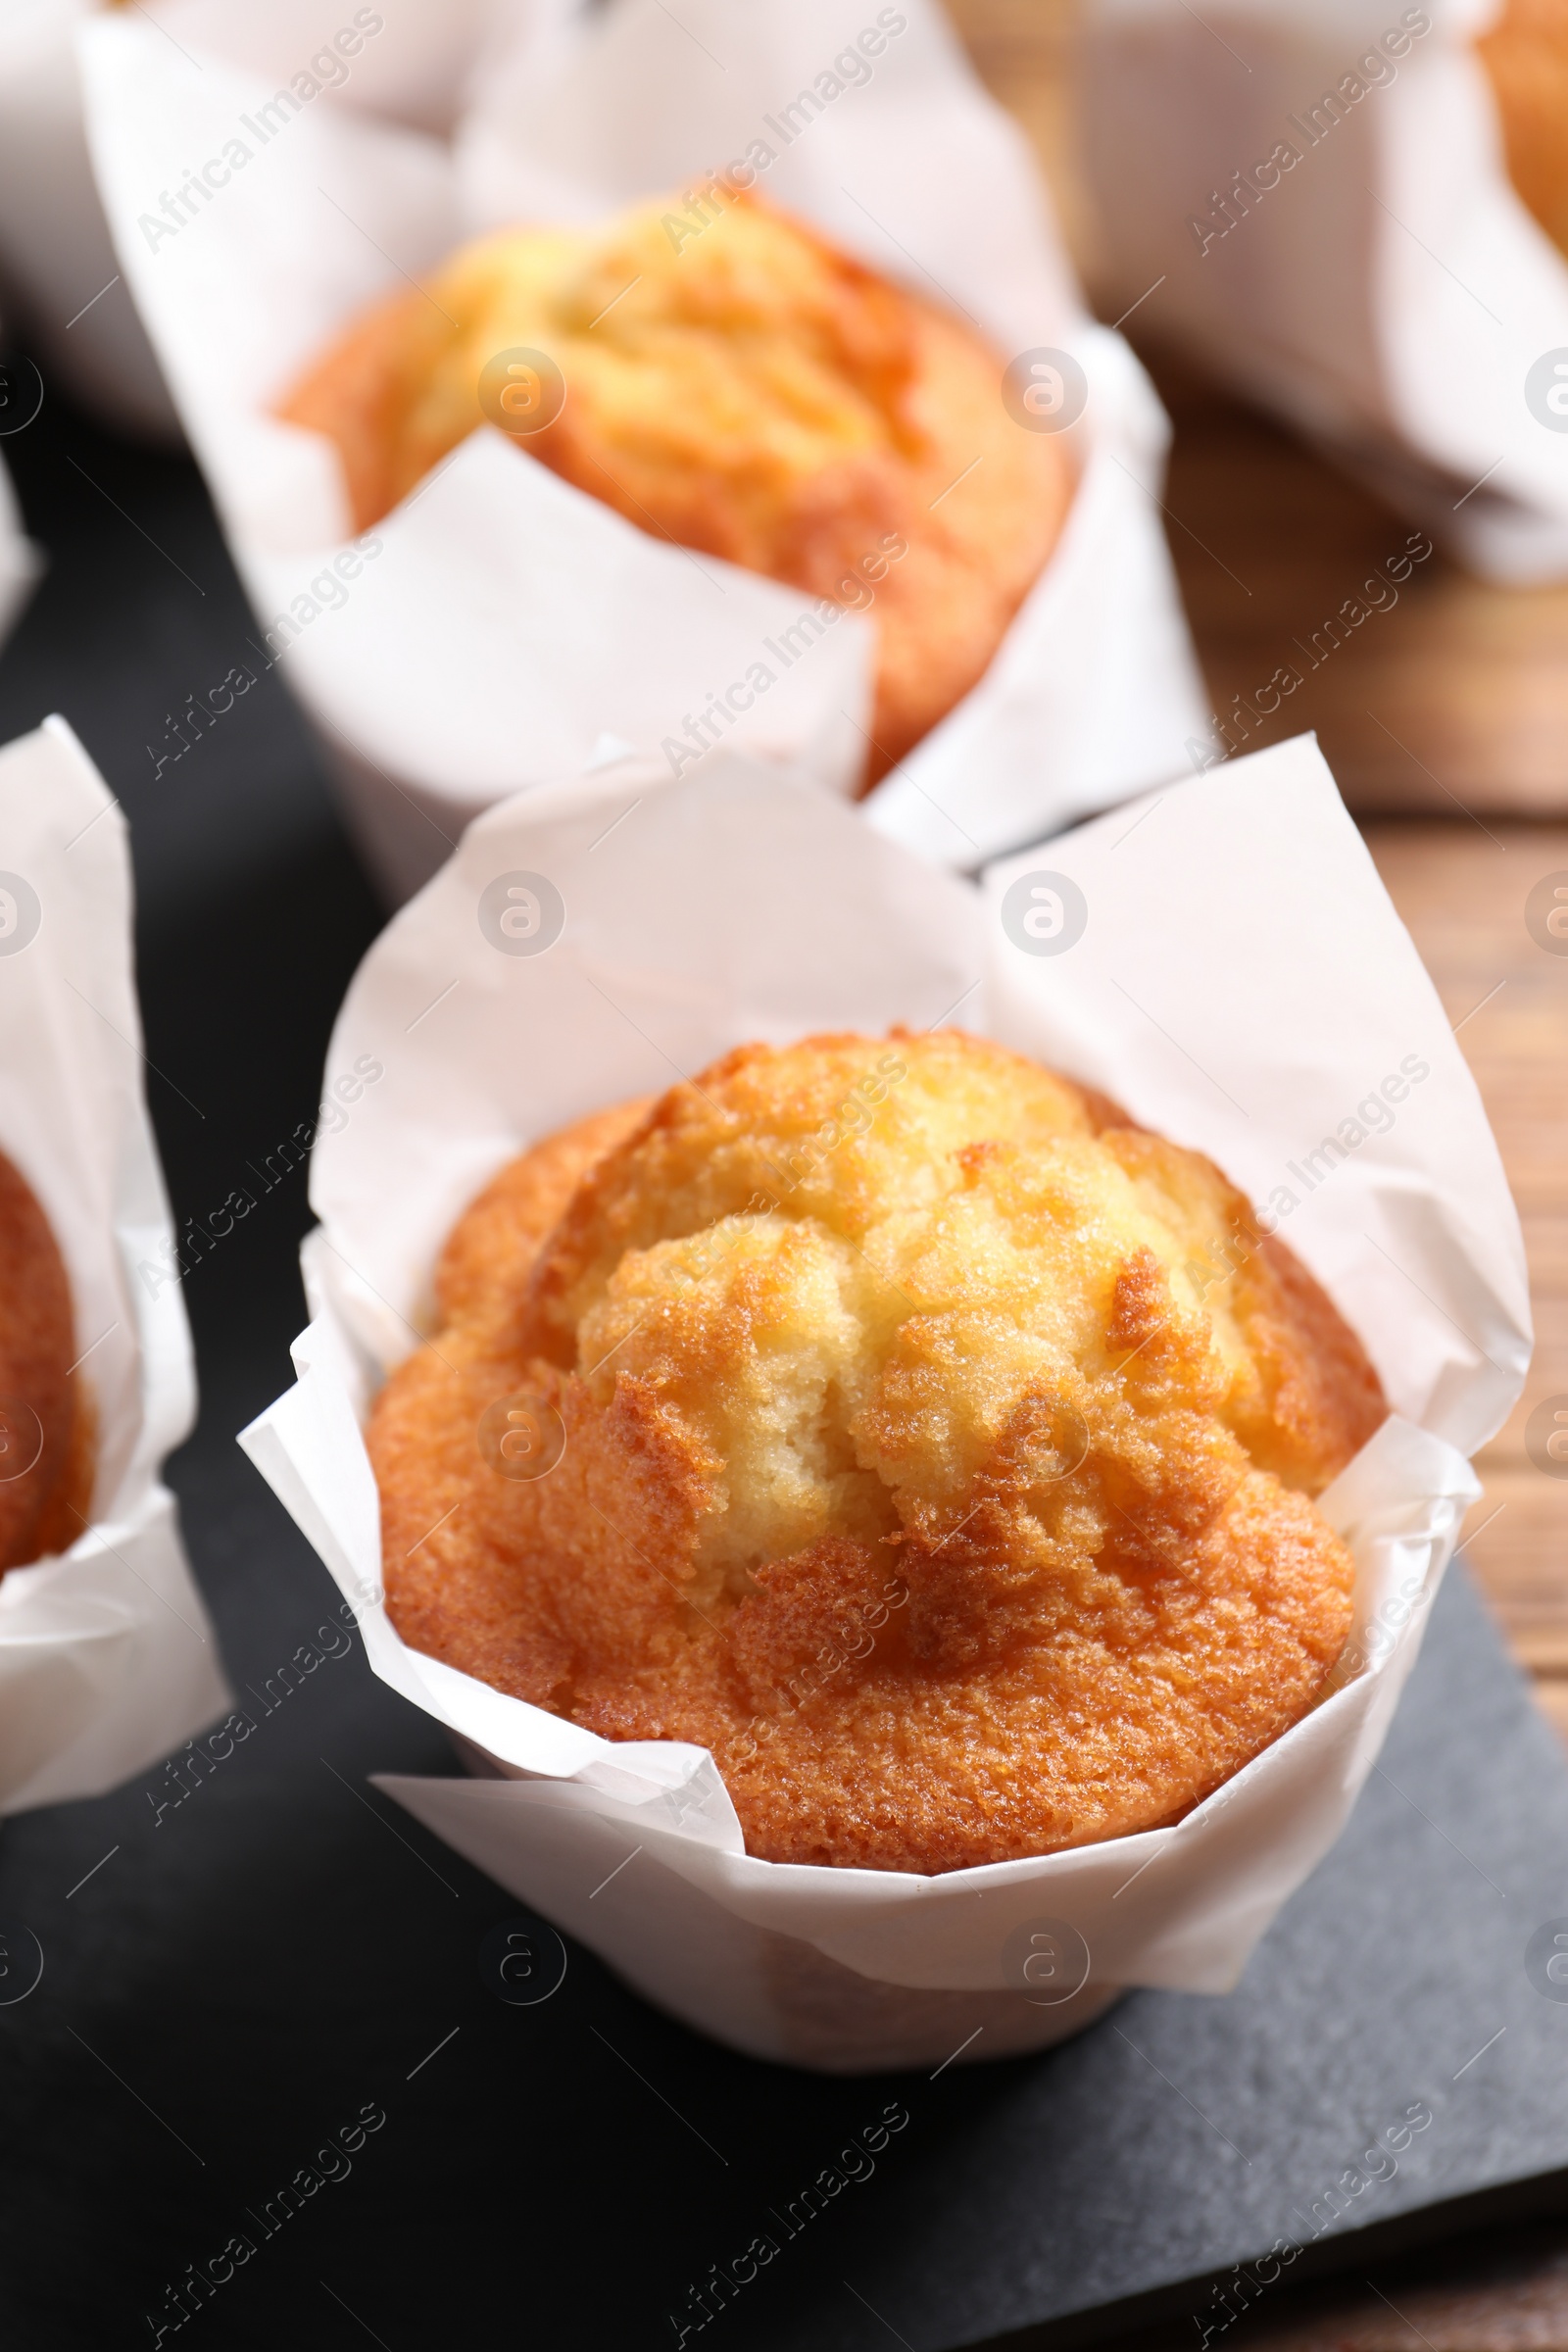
x,y
1242,983
1387,291
106,1658
57,261
507,626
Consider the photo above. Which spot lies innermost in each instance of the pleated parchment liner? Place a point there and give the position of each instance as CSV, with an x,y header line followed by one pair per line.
x,y
1242,983
107,1657
1319,209
502,624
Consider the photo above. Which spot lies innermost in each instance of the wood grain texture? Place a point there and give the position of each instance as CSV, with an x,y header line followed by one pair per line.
x,y
1437,692
1462,894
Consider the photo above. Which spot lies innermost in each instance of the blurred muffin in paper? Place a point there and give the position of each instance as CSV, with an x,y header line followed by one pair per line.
x,y
1525,54
762,398
106,1658
409,60
509,621
1350,212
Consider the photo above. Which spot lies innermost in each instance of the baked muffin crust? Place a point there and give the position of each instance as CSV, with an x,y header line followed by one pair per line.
x,y
748,391
45,1432
934,1446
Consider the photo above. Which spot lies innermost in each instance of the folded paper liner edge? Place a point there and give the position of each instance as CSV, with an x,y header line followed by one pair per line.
x,y
106,1656
1180,1907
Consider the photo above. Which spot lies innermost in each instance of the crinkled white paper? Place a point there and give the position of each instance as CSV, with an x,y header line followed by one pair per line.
x,y
1388,292
106,1658
1244,984
55,251
508,628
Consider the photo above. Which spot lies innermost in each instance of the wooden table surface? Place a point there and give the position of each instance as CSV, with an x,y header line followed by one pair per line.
x,y
1445,721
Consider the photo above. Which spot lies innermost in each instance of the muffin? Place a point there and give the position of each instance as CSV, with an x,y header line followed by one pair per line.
x,y
739,388
45,1427
901,1423
1526,58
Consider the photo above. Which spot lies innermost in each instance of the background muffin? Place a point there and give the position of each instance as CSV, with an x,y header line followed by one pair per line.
x,y
1526,56
744,389
933,1446
45,1432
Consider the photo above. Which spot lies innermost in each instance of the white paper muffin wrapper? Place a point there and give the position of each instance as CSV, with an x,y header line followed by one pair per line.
x,y
56,256
500,626
1388,292
106,1658
1243,983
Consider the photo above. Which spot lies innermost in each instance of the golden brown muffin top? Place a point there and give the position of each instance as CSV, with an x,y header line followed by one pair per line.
x,y
937,1452
749,391
744,362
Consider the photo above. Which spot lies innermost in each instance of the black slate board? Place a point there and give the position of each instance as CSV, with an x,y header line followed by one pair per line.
x,y
244,1973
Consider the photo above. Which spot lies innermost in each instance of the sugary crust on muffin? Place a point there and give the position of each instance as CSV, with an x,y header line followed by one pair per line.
x,y
753,393
41,1509
490,1251
1526,57
938,1450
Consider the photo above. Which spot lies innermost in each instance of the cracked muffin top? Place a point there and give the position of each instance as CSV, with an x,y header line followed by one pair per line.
x,y
897,1421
